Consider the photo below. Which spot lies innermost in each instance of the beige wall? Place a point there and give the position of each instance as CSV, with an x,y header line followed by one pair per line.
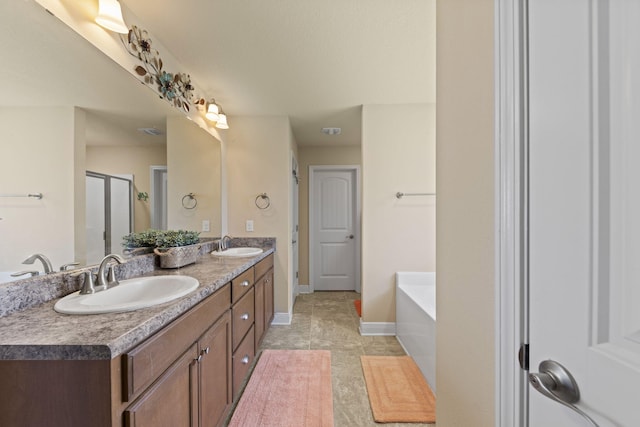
x,y
37,149
258,153
309,156
193,166
465,225
398,154
132,160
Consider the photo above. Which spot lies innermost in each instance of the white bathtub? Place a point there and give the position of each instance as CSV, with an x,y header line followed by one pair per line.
x,y
416,320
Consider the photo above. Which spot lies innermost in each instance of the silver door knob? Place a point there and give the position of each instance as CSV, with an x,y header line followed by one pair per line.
x,y
556,382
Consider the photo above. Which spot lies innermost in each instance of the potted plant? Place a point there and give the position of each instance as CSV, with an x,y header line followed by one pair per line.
x,y
177,248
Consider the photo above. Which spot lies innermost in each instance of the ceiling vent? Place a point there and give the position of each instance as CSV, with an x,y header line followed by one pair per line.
x,y
332,131
151,131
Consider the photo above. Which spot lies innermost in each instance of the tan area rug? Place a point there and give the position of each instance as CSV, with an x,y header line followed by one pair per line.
x,y
288,388
398,392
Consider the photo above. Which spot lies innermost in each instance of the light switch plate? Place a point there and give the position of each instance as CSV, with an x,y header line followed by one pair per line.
x,y
206,226
249,225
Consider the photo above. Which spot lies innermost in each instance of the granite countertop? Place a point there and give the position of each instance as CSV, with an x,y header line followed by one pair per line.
x,y
40,333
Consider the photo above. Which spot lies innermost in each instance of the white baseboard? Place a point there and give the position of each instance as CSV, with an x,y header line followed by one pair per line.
x,y
304,289
281,319
377,328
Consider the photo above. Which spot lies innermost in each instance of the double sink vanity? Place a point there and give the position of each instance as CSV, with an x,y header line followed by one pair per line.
x,y
181,362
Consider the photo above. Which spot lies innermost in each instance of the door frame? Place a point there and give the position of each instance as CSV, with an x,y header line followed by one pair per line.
x,y
511,207
295,234
313,169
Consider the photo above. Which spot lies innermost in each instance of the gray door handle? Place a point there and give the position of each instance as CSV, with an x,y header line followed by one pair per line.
x,y
557,383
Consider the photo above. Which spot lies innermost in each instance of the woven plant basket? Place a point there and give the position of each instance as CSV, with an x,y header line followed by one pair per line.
x,y
177,257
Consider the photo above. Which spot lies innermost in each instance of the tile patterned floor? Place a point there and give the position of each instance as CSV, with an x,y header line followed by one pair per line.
x,y
328,320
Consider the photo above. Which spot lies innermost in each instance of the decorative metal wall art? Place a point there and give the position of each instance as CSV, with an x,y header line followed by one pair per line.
x,y
176,88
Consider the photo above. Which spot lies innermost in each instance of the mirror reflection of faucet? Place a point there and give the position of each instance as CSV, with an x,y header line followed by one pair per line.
x,y
22,273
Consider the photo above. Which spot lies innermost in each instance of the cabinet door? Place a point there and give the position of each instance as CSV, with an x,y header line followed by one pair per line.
x,y
215,372
172,399
259,311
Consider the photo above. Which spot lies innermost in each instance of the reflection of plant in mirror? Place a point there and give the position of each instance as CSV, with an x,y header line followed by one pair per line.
x,y
141,240
143,196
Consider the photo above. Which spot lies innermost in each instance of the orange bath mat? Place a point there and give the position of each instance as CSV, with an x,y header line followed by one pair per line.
x,y
358,304
397,391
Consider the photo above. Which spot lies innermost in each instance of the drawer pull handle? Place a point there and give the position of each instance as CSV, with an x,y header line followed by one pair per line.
x,y
244,283
245,360
245,316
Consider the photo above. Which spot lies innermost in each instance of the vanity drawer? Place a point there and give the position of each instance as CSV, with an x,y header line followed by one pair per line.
x,y
241,284
263,266
242,314
144,363
242,360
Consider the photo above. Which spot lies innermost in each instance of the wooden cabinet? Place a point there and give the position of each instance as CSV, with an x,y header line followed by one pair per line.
x,y
195,390
263,298
172,400
215,374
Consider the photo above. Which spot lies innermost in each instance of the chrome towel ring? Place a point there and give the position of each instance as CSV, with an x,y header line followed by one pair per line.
x,y
262,201
189,201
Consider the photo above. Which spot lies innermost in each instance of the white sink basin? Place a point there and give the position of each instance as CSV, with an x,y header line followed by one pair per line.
x,y
129,295
238,252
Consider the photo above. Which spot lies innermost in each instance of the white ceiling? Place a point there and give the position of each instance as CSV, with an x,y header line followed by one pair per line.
x,y
316,62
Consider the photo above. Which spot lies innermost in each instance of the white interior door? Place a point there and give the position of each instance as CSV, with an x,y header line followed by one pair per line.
x,y
333,221
584,206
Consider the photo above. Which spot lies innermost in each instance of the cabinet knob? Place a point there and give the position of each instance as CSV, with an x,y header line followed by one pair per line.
x,y
199,358
244,283
204,351
245,360
245,316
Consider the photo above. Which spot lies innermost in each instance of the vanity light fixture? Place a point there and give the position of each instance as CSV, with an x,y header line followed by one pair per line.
x,y
222,120
213,111
110,16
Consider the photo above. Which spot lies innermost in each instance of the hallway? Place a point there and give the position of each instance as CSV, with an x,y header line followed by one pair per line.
x,y
328,321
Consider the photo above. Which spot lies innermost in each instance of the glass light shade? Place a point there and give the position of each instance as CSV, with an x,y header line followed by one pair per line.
x,y
222,121
212,112
110,16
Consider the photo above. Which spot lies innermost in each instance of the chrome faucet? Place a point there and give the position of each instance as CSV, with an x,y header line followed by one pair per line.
x,y
224,243
43,259
108,280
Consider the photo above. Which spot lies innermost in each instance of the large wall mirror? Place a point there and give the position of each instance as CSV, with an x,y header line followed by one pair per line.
x,y
96,143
